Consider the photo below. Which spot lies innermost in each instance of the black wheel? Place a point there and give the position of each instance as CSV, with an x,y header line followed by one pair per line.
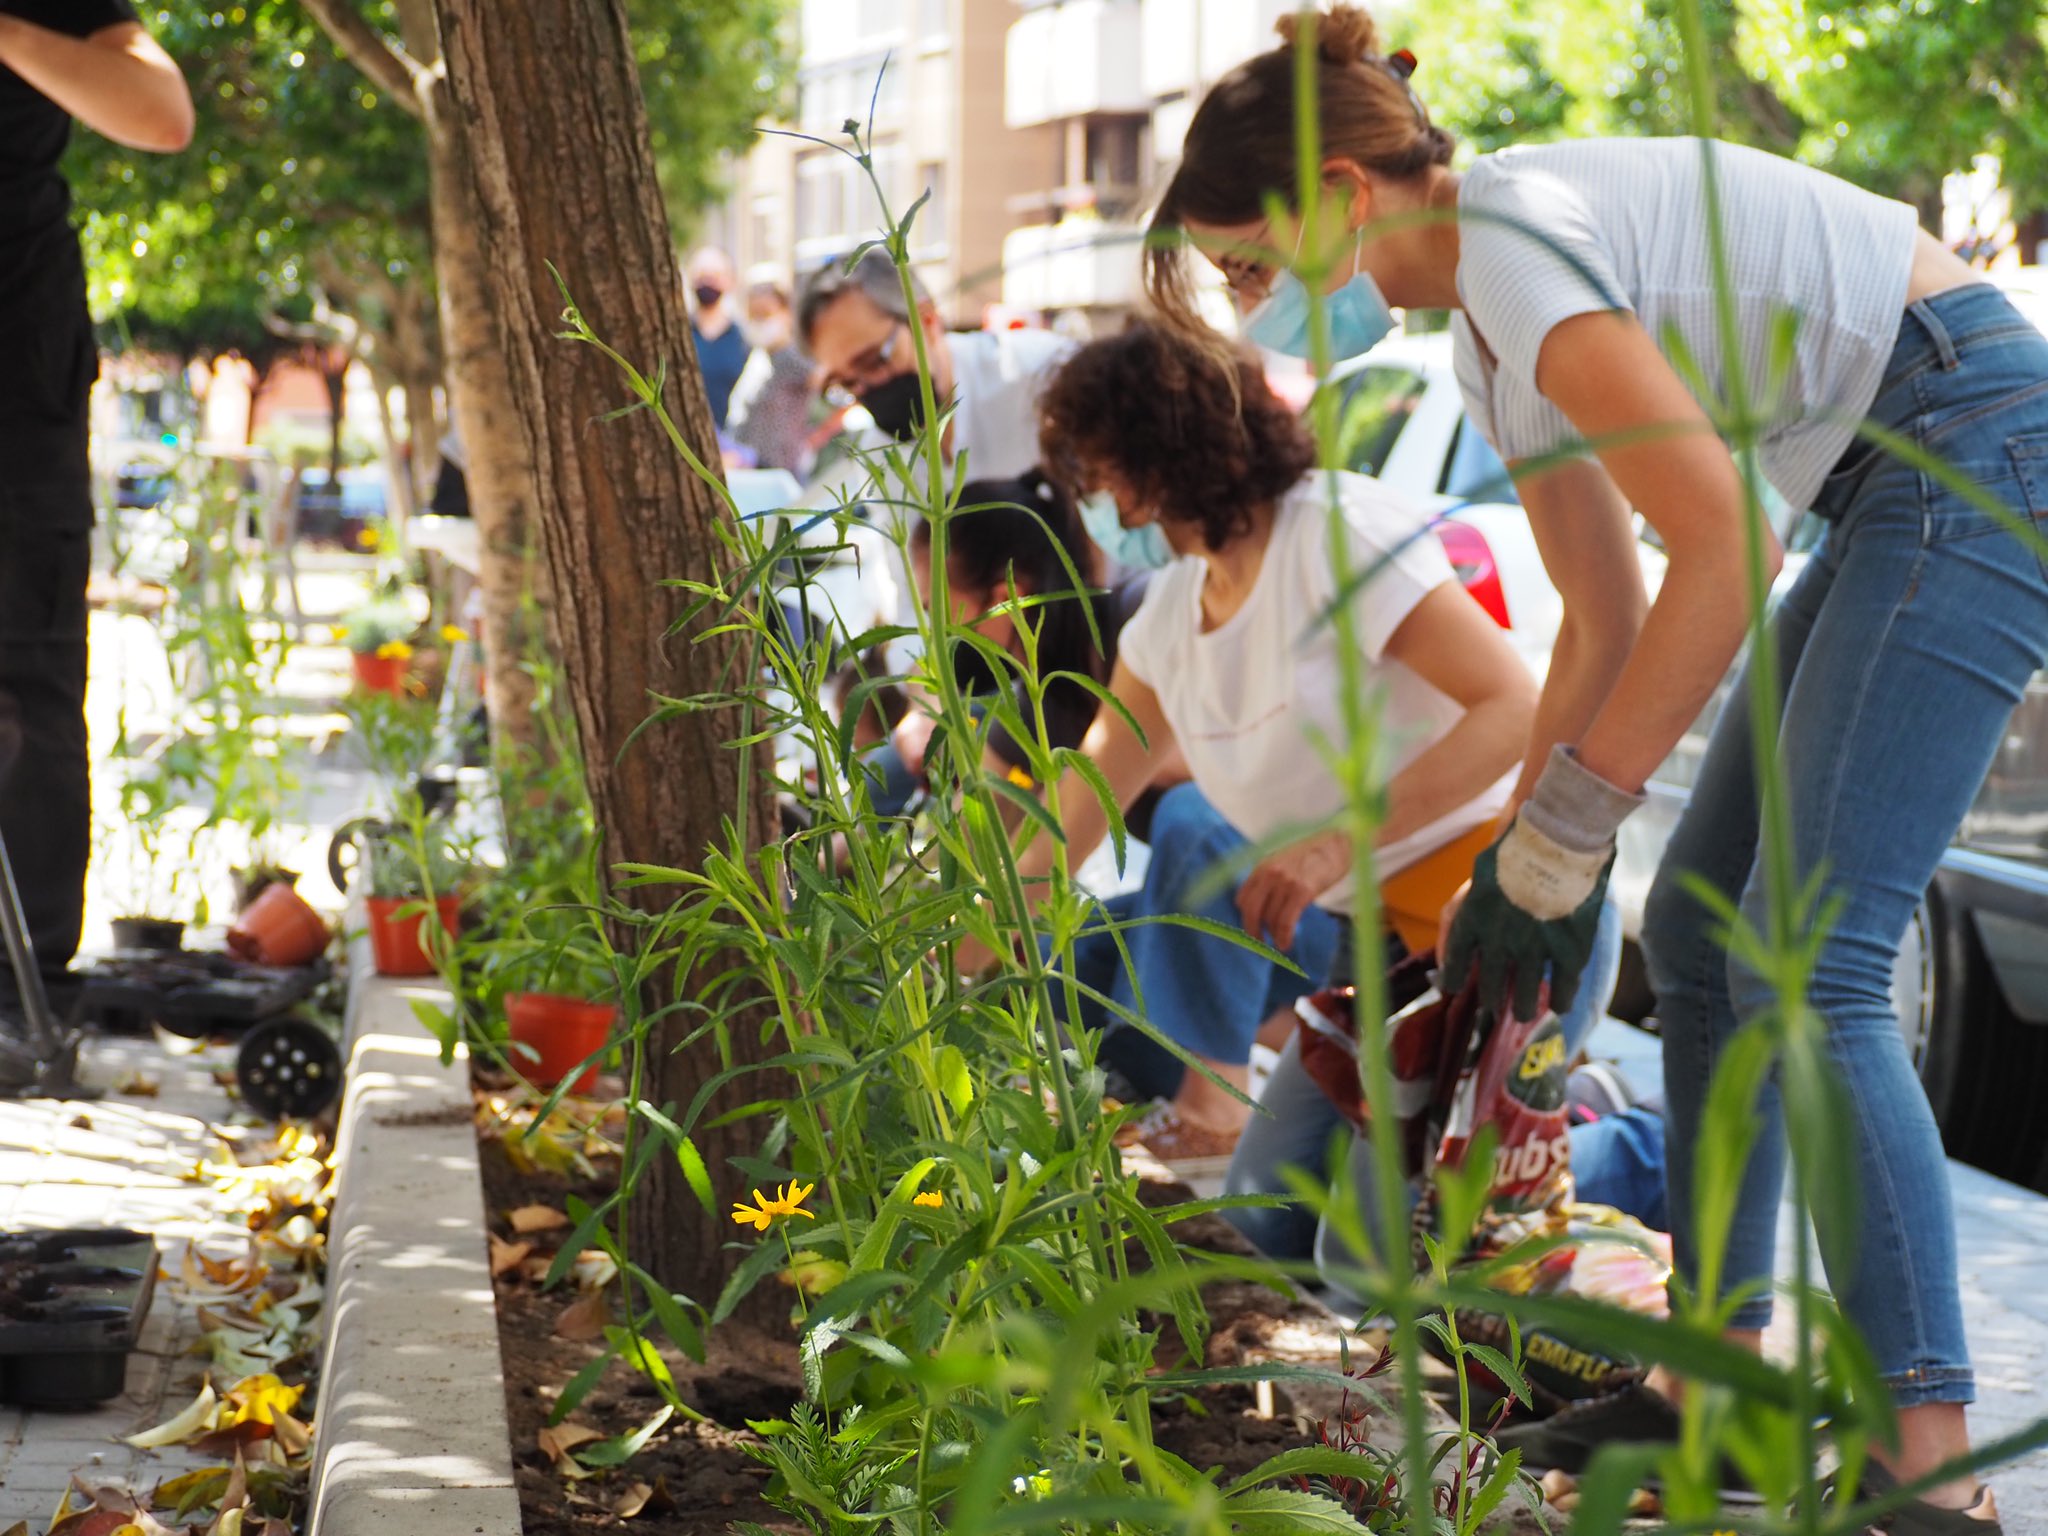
x,y
345,849
288,1068
1935,981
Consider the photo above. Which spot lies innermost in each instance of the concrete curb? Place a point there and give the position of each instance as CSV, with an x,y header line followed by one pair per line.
x,y
411,1434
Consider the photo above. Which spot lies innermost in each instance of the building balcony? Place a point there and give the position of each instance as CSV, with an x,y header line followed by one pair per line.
x,y
1078,263
1073,59
1186,45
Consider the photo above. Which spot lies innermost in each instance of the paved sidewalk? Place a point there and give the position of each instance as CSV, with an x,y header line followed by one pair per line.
x,y
119,1161
2001,1237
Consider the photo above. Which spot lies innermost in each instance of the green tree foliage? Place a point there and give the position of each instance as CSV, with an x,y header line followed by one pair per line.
x,y
300,178
1896,95
1891,95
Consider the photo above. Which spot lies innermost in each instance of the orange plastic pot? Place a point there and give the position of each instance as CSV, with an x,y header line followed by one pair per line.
x,y
379,674
562,1032
395,934
278,929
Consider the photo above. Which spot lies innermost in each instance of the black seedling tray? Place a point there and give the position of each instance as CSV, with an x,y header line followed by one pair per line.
x,y
189,992
71,1308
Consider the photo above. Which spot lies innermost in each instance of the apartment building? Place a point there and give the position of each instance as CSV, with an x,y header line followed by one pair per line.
x,y
930,74
1039,128
1115,82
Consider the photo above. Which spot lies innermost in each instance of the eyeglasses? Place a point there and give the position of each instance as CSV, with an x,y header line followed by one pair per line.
x,y
865,371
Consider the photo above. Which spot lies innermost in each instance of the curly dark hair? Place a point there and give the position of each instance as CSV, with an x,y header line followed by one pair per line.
x,y
1194,428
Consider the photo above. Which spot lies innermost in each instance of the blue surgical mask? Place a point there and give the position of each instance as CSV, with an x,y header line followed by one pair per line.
x,y
1358,314
1139,549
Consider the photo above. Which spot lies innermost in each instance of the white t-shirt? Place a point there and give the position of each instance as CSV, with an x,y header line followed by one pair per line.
x,y
1252,701
998,377
1549,231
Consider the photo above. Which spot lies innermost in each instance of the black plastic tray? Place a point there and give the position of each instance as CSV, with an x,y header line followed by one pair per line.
x,y
189,992
72,1303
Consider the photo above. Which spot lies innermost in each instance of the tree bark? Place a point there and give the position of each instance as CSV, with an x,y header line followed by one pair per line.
x,y
499,468
497,460
558,140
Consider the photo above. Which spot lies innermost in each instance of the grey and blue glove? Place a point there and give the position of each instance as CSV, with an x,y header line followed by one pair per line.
x,y
1536,895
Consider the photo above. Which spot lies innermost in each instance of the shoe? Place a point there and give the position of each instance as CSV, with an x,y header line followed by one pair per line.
x,y
1596,1090
1182,1145
1568,1440
1917,1517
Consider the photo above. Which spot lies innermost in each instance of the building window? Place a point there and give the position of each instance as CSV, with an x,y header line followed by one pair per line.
x,y
820,196
879,18
934,19
1112,150
932,224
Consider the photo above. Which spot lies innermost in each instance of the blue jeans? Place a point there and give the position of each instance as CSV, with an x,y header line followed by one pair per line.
x,y
1204,992
1903,647
1297,1123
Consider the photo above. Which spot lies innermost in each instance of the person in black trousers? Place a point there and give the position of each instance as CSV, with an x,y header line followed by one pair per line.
x,y
59,60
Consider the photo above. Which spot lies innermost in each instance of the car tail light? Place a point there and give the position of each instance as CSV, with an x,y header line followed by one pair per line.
x,y
1472,559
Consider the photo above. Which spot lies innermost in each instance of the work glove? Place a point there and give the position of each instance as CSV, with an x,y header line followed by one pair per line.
x,y
1536,895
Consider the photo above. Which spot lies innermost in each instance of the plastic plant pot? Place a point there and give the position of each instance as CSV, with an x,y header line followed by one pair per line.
x,y
151,933
562,1031
379,674
278,929
395,933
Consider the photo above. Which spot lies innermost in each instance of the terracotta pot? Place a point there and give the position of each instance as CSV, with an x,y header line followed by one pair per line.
x,y
395,933
379,674
251,883
278,929
563,1031
155,933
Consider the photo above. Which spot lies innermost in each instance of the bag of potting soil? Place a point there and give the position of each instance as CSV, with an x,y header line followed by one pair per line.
x,y
1455,1072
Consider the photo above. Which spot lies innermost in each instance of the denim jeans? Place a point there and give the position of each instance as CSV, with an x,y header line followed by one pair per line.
x,y
1903,648
1297,1123
1206,993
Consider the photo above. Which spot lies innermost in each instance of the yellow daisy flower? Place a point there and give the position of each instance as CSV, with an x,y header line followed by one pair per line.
x,y
393,650
764,1211
1021,779
454,633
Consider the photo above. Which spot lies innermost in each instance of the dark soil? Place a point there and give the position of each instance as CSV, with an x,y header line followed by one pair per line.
x,y
702,1480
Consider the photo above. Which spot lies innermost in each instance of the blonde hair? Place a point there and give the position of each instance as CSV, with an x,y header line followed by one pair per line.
x,y
1240,144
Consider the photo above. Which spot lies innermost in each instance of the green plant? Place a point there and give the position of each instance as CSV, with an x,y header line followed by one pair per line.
x,y
415,862
212,788
977,1288
377,625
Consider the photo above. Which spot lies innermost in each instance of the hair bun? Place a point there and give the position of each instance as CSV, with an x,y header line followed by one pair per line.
x,y
1344,34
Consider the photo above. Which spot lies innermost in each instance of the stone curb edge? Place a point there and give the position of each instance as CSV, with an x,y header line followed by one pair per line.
x,y
411,1434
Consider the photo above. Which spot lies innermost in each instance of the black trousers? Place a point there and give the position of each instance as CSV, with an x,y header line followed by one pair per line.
x,y
45,785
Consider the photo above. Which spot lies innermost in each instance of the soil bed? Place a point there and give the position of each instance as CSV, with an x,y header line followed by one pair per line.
x,y
693,1479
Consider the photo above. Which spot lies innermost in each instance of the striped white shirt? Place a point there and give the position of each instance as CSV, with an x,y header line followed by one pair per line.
x,y
1550,231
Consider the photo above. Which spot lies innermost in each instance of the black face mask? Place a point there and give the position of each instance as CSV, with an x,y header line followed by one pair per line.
x,y
897,405
708,295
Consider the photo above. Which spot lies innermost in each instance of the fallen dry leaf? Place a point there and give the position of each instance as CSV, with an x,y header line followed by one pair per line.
x,y
195,1420
529,1219
535,1268
633,1500
585,1318
237,1440
136,1086
506,1256
558,1440
261,1398
593,1270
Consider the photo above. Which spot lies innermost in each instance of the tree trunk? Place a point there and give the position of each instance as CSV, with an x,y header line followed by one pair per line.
x,y
497,462
564,169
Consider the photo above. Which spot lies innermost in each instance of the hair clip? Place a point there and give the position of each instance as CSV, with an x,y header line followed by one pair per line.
x,y
1401,62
